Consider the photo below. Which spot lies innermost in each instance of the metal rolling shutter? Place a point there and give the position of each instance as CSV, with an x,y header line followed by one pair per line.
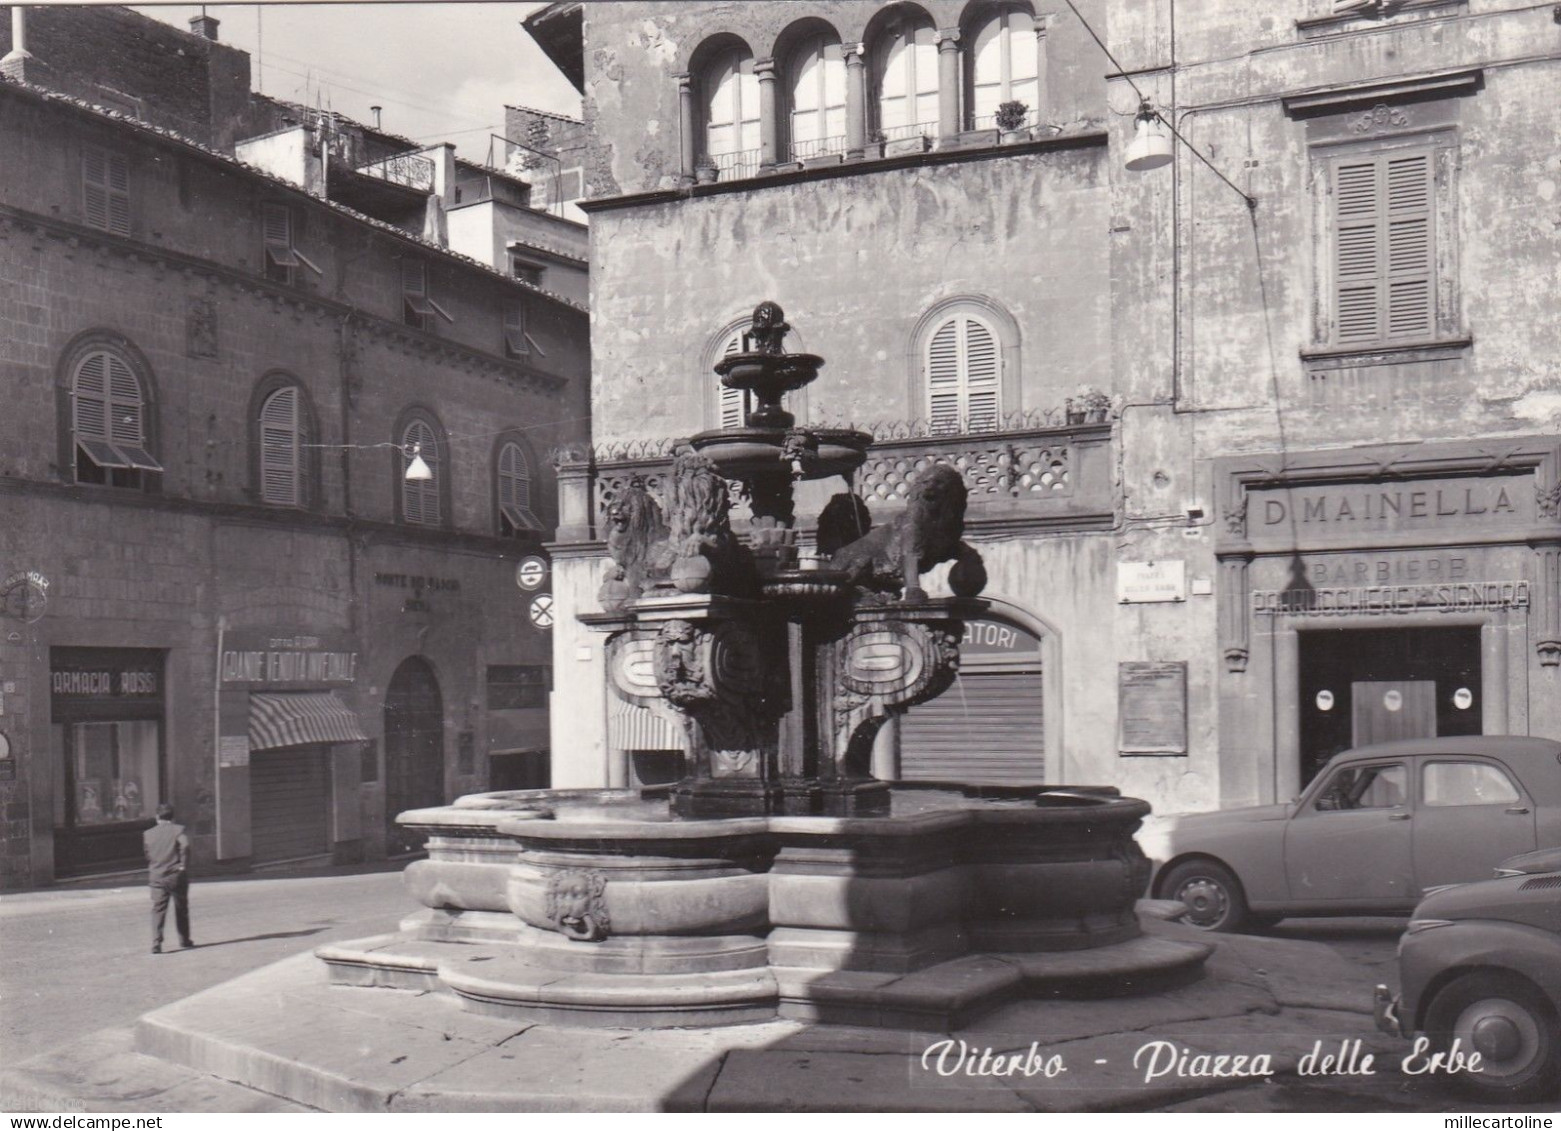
x,y
986,728
289,806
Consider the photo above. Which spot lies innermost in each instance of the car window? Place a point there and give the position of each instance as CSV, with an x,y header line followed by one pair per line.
x,y
1364,787
1466,783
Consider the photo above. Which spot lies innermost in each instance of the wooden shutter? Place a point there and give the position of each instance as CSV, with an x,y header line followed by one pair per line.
x,y
91,398
515,488
279,441
963,375
516,344
1384,287
731,404
106,190
420,497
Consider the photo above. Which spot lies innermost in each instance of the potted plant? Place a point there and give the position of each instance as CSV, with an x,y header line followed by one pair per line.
x,y
1088,406
874,146
706,172
1011,117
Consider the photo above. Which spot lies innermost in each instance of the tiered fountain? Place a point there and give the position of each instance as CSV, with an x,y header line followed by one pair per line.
x,y
778,878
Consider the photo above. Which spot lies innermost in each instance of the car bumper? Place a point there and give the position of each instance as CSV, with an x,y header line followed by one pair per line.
x,y
1386,1009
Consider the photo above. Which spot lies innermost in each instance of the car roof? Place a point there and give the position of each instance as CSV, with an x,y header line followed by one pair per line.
x,y
1493,745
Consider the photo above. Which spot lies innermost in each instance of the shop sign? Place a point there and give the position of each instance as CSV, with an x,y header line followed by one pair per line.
x,y
25,595
993,638
262,658
106,675
1142,582
1384,600
1379,508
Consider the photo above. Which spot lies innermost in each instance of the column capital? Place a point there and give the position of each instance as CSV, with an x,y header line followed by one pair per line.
x,y
685,79
764,69
853,53
947,38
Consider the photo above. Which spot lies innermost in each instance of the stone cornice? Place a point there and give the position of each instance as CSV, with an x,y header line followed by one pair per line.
x,y
405,338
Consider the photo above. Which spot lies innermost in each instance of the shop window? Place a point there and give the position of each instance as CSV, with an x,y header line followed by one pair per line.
x,y
816,94
422,500
281,257
962,370
518,687
514,491
905,81
1003,66
418,306
109,422
729,103
105,181
114,770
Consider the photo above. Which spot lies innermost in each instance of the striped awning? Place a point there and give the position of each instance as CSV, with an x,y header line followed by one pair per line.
x,y
299,718
632,727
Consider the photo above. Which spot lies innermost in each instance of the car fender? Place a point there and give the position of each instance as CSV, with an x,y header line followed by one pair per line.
x,y
1430,959
1252,850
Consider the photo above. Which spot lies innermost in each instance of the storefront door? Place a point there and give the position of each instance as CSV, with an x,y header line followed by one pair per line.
x,y
414,749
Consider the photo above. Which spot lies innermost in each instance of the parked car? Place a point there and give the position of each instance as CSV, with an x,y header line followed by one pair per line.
x,y
1480,964
1377,828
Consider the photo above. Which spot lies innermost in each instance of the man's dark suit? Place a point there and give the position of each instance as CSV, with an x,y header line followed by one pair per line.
x,y
167,853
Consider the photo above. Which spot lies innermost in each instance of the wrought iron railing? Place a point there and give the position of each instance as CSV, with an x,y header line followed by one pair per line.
x,y
915,129
818,147
403,169
738,165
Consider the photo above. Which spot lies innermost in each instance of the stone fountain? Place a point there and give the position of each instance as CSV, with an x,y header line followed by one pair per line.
x,y
778,878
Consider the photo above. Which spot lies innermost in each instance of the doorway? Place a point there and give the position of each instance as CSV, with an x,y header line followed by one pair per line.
x,y
1359,686
414,750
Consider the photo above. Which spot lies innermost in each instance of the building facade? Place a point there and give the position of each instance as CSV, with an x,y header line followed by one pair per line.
x,y
1254,482
223,588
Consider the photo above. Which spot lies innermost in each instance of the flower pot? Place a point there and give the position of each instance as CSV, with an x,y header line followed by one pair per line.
x,y
707,175
901,145
1014,137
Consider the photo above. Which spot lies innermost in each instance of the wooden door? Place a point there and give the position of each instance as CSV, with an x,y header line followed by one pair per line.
x,y
1390,709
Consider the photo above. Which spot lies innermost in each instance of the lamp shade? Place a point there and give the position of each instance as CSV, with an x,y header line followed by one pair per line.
x,y
418,470
1151,144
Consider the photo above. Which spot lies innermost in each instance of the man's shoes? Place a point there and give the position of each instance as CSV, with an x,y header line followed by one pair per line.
x,y
157,948
187,944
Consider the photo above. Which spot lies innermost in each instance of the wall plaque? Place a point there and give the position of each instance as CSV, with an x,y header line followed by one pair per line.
x,y
233,750
1152,707
1139,582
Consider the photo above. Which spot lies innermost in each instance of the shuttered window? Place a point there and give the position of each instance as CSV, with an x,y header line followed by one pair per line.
x,y
108,419
1384,258
516,343
106,190
732,404
281,255
418,305
420,497
514,489
280,441
963,371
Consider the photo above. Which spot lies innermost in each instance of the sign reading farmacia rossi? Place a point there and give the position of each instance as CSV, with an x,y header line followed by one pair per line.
x,y
264,658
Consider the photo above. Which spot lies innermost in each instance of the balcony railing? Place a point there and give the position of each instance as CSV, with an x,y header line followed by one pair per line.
x,y
818,147
738,165
403,169
915,129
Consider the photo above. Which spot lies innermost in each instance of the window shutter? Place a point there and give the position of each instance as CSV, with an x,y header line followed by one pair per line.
x,y
278,223
515,488
124,399
924,82
420,497
1409,259
943,379
412,279
1358,258
982,363
515,340
94,177
118,194
279,442
732,405
92,398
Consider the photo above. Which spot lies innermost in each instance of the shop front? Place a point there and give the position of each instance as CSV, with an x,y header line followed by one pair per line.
x,y
289,747
1369,595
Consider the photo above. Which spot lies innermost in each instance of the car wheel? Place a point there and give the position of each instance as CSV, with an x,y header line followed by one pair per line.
x,y
1213,896
1507,1021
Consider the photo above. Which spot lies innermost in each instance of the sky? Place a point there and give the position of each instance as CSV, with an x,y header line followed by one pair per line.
x,y
441,71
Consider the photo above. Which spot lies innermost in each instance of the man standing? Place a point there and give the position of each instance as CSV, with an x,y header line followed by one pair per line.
x,y
167,854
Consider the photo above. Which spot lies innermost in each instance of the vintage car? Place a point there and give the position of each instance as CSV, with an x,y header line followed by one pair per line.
x,y
1377,828
1480,965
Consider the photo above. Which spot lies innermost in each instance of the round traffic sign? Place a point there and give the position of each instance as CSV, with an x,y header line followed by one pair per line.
x,y
541,610
531,572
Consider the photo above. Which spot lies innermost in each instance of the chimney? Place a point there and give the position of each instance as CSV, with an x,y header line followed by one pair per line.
x,y
14,65
204,26
375,111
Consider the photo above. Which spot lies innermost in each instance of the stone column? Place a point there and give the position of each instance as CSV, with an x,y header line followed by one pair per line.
x,y
687,150
14,65
856,100
769,123
1546,614
1234,611
1042,102
948,87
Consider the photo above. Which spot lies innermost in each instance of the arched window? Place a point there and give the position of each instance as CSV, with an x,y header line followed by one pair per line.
x,y
514,491
816,89
905,80
962,368
109,421
732,405
729,95
420,498
281,444
1004,66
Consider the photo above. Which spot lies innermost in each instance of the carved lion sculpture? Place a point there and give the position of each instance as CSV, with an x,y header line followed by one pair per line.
x,y
707,557
892,558
637,542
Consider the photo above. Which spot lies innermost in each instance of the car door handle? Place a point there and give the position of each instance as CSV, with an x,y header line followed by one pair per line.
x,y
1518,810
1398,816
